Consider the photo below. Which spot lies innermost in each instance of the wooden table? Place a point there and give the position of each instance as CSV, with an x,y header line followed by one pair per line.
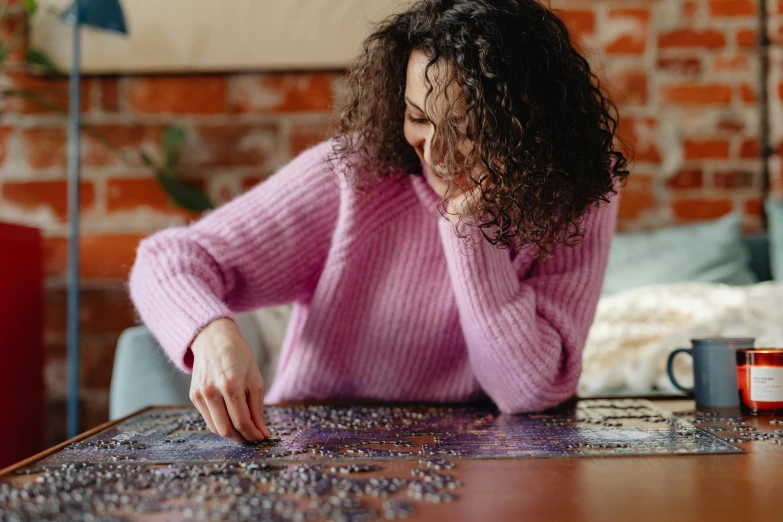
x,y
709,488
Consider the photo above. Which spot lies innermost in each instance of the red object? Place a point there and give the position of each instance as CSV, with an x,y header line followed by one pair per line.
x,y
760,380
21,344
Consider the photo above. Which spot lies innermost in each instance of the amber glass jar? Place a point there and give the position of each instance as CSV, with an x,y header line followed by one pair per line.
x,y
760,380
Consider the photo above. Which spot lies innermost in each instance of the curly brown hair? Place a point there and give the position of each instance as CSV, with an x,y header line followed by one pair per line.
x,y
542,128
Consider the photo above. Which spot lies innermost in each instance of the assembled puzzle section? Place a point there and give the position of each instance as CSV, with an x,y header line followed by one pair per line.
x,y
588,428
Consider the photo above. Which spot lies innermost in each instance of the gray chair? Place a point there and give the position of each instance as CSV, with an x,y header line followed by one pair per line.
x,y
143,376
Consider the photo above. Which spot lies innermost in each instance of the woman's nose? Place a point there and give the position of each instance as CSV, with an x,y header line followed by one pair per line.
x,y
427,144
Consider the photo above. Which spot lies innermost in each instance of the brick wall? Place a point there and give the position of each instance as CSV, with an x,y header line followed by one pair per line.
x,y
683,71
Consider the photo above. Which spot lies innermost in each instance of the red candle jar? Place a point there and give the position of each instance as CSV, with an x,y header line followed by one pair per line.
x,y
760,380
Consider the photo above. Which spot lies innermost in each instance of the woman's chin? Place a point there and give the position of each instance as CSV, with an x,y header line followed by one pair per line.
x,y
438,185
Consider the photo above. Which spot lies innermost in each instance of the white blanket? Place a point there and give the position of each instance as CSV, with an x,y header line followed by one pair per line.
x,y
634,331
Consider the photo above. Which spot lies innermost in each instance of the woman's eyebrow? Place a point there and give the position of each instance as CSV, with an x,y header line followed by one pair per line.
x,y
408,100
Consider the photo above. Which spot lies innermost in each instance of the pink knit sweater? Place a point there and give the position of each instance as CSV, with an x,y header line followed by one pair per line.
x,y
387,301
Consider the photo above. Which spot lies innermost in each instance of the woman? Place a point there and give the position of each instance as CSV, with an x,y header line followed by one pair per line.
x,y
448,244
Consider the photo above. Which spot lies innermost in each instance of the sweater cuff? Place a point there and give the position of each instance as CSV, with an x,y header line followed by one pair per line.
x,y
177,309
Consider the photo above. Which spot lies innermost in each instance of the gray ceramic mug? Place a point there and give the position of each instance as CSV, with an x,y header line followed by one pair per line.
x,y
714,370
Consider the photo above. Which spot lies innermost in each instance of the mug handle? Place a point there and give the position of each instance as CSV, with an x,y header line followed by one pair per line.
x,y
670,368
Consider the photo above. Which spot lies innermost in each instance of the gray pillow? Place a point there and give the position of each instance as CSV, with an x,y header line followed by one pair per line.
x,y
774,210
710,251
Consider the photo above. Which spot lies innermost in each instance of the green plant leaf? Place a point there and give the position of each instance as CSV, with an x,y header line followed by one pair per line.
x,y
185,194
173,139
30,5
42,63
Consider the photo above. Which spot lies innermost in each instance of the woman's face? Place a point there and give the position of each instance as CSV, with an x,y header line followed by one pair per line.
x,y
420,121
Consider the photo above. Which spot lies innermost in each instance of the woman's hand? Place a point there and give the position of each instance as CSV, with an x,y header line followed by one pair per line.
x,y
227,387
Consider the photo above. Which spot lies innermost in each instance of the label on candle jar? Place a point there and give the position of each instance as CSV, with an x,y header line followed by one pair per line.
x,y
766,384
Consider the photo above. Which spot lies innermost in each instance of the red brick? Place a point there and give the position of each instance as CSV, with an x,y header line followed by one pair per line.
x,y
303,137
131,139
96,409
51,91
706,149
10,25
93,411
701,209
108,256
690,8
221,146
685,66
56,420
695,94
110,94
55,253
634,41
629,87
750,149
196,94
636,196
127,194
748,94
731,125
686,179
103,256
32,195
580,22
753,207
731,63
692,38
732,8
45,147
96,361
733,180
106,310
639,135
276,93
746,38
5,134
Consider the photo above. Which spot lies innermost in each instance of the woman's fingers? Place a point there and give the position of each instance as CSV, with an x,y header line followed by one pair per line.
x,y
255,400
220,417
203,409
238,410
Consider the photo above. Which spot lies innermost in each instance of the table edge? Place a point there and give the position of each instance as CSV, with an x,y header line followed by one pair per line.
x,y
54,449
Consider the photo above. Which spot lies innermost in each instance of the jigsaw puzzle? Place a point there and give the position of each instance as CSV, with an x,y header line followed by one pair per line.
x,y
328,463
589,428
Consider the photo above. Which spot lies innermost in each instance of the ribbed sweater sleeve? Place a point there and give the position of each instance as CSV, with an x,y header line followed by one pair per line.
x,y
525,331
264,248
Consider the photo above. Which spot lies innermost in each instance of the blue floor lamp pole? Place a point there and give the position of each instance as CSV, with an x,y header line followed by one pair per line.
x,y
103,14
